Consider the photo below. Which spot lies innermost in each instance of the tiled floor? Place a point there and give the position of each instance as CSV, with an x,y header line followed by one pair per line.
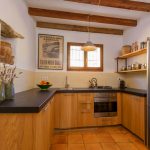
x,y
104,138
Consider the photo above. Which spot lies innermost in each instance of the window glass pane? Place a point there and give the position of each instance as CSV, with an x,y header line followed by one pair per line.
x,y
76,56
93,59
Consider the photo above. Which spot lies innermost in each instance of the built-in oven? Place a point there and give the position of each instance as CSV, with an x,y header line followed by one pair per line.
x,y
105,104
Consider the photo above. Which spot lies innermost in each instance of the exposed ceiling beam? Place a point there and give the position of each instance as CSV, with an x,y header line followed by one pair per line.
x,y
79,28
81,17
125,4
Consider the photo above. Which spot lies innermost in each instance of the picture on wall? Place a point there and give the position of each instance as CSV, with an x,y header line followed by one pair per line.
x,y
51,48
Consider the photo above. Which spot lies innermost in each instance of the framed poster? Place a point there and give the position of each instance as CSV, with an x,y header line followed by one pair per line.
x,y
51,48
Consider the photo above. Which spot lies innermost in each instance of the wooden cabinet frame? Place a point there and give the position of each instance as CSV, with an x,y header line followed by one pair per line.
x,y
85,68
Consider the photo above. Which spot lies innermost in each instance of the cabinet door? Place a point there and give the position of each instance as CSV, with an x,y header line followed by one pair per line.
x,y
133,114
127,110
51,133
86,110
57,111
42,129
138,116
66,107
16,132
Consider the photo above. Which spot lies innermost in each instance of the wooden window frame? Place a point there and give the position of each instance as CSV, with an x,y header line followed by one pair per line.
x,y
85,68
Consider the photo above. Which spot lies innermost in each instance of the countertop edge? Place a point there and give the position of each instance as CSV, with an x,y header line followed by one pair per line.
x,y
37,109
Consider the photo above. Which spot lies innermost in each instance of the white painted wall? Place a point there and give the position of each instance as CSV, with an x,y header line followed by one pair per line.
x,y
112,45
15,13
139,34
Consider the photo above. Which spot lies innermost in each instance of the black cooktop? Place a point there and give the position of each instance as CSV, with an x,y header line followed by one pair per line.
x,y
104,87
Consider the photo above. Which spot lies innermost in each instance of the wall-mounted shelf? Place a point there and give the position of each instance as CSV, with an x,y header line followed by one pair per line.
x,y
8,32
129,55
135,53
128,71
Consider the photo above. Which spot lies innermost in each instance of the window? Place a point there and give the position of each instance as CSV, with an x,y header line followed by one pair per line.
x,y
79,60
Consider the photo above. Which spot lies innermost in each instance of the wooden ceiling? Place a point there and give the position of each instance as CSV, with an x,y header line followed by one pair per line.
x,y
124,4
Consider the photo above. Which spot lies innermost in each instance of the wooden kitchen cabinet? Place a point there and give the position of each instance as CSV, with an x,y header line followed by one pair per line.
x,y
133,114
52,120
16,132
27,131
66,110
86,110
42,129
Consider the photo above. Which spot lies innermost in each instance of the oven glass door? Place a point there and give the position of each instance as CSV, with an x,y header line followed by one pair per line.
x,y
105,108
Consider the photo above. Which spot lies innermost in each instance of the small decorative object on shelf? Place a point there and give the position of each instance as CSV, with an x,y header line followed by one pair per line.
x,y
44,85
8,32
143,45
134,47
136,67
125,49
7,76
145,66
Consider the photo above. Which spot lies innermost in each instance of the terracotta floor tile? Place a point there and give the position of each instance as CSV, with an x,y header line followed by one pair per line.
x,y
120,138
75,139
88,132
117,130
110,146
132,137
103,135
93,147
102,130
59,147
76,147
127,146
140,145
106,140
60,139
90,138
102,138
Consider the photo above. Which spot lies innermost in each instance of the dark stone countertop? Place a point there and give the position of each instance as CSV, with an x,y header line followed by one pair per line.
x,y
32,101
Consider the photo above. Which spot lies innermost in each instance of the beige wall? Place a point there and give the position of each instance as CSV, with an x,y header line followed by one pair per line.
x,y
138,81
77,79
25,80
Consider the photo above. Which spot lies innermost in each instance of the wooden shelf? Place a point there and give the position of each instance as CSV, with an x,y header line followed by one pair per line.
x,y
8,32
128,71
135,53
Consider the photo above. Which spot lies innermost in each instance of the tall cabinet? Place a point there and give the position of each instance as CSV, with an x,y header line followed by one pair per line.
x,y
134,114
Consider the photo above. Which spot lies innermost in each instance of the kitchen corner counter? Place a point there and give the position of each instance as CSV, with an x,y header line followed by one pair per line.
x,y
32,101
